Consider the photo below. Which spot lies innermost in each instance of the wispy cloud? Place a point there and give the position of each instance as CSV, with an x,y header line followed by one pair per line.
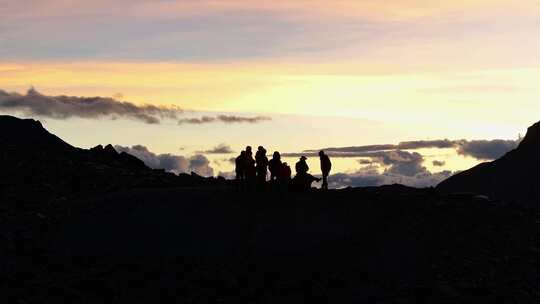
x,y
64,107
233,29
219,149
438,163
228,119
406,145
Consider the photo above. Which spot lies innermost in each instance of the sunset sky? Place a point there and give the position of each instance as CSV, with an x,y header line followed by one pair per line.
x,y
289,75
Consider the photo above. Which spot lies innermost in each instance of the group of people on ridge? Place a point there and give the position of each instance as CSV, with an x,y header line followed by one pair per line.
x,y
252,172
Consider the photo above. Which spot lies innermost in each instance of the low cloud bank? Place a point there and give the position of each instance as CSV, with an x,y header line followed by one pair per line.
x,y
366,178
391,167
170,162
390,163
64,107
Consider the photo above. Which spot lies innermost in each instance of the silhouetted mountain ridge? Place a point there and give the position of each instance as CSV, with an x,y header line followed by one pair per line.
x,y
38,166
512,178
29,133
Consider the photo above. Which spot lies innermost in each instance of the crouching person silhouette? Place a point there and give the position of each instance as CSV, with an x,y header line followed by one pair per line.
x,y
303,180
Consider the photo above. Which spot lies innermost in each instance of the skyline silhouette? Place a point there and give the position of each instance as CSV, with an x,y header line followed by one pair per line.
x,y
179,77
290,151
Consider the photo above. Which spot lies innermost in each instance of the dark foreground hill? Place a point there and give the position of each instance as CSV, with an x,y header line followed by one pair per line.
x,y
512,178
374,245
200,241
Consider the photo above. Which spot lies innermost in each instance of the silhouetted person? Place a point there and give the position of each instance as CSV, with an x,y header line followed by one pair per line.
x,y
284,177
301,166
285,173
250,171
240,168
240,164
275,166
262,165
303,180
326,166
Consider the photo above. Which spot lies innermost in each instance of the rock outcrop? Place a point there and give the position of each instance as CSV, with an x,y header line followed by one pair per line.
x,y
37,166
512,178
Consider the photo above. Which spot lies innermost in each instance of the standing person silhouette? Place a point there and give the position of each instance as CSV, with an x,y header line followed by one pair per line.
x,y
284,177
326,166
240,169
285,173
262,166
275,166
249,169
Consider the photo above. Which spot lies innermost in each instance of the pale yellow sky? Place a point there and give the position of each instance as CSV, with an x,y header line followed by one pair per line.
x,y
502,99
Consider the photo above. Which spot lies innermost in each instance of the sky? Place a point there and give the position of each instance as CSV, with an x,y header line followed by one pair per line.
x,y
181,78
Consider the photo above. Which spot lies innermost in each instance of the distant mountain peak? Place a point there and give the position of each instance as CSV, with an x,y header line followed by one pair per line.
x,y
6,120
28,133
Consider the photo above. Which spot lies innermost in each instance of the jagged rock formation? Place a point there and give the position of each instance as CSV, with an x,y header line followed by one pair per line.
x,y
512,178
37,166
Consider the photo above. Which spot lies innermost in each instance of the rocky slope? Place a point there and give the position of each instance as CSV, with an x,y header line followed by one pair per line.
x,y
38,166
512,178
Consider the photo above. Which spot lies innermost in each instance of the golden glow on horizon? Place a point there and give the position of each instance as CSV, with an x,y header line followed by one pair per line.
x,y
293,88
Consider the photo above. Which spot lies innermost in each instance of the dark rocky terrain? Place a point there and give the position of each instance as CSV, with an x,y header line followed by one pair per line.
x,y
38,166
512,178
95,226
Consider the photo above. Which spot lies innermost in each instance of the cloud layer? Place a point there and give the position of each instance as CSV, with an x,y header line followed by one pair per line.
x,y
170,162
389,163
486,149
64,107
228,119
371,177
479,149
